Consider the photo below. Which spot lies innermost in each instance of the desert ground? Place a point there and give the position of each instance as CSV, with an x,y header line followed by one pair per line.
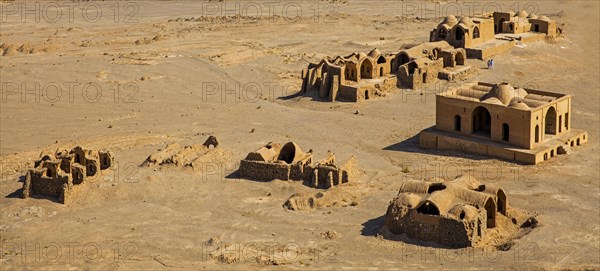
x,y
144,74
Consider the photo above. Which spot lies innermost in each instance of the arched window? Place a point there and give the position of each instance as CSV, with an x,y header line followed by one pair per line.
x,y
476,32
442,33
550,121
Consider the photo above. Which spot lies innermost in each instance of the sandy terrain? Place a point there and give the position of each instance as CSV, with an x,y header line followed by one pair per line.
x,y
160,73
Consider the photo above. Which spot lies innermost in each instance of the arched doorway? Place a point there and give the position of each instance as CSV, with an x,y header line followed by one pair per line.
x,y
287,153
459,34
490,209
381,71
460,58
428,208
482,121
537,134
403,59
501,196
366,69
499,26
476,32
550,121
442,33
394,66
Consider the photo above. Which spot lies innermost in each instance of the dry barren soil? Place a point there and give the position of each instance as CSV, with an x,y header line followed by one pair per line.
x,y
139,75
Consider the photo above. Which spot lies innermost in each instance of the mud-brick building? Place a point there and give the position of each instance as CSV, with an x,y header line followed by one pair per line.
x,y
517,124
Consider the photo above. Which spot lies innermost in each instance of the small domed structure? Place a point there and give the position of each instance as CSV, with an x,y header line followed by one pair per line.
x,y
520,93
450,20
519,105
409,200
466,21
361,56
464,212
522,14
504,92
375,53
543,18
532,16
493,100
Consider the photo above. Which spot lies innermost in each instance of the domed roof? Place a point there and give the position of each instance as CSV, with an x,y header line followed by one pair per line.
x,y
504,92
521,93
464,211
466,21
290,153
493,100
544,18
519,105
442,25
532,16
374,53
522,14
450,20
361,55
409,200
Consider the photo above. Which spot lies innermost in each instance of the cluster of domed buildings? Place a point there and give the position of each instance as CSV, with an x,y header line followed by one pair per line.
x,y
361,76
472,33
517,124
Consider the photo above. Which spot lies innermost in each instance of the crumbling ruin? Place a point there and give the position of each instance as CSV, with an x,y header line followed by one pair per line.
x,y
516,124
289,162
197,156
492,33
55,174
456,213
361,76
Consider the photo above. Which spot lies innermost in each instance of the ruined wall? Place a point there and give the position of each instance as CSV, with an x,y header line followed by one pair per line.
x,y
324,79
327,176
264,171
415,76
55,174
442,230
348,93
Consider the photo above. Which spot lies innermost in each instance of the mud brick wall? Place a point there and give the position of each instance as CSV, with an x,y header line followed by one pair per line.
x,y
263,171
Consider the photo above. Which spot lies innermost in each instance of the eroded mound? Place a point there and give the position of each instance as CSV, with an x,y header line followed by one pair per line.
x,y
197,157
332,197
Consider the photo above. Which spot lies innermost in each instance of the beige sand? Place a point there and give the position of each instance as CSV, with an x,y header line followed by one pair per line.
x,y
140,218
